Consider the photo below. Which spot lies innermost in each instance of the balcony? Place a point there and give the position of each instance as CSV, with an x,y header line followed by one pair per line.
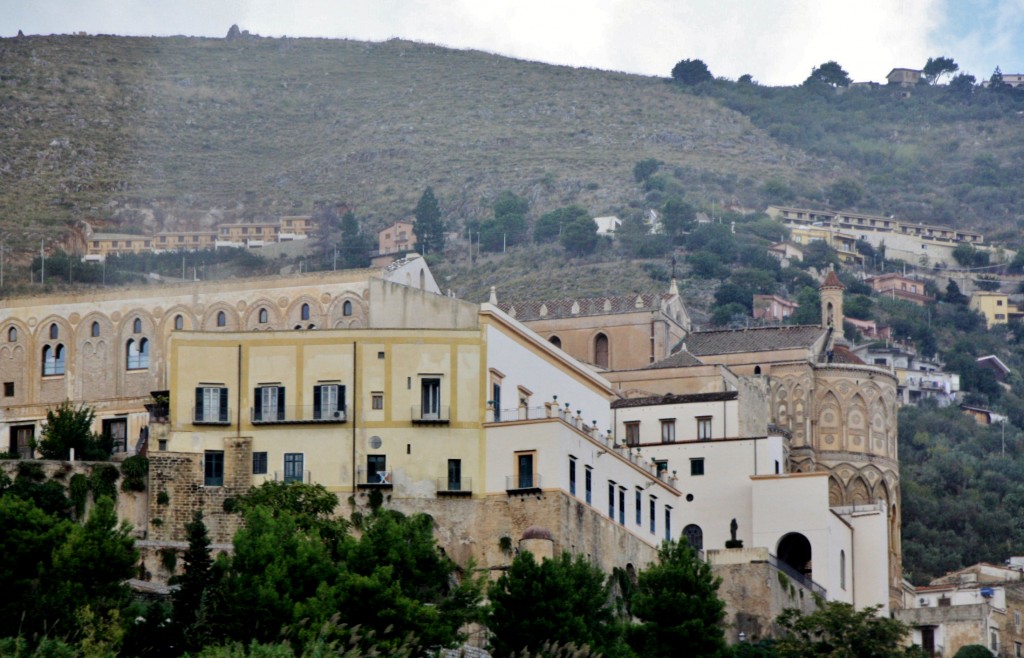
x,y
522,483
297,415
455,487
431,415
376,480
304,476
201,416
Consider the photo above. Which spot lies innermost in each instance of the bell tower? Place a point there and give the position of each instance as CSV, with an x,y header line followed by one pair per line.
x,y
831,293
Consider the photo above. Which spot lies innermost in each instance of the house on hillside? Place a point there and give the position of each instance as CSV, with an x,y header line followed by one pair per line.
x,y
786,252
607,225
904,77
397,238
898,286
772,308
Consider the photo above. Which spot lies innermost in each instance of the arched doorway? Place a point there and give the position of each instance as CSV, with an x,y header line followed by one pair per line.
x,y
795,550
694,536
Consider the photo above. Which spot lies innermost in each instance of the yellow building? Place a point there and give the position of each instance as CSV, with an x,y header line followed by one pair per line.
x,y
184,240
250,234
100,245
995,306
297,227
844,243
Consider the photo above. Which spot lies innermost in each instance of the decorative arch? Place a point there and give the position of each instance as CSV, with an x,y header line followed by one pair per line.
x,y
694,535
336,312
295,316
213,315
835,492
556,341
858,491
830,423
261,314
794,549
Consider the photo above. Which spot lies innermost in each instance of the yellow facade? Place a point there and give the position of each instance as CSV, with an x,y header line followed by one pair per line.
x,y
843,243
381,377
104,244
995,306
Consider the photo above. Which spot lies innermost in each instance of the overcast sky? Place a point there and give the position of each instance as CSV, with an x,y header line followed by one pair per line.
x,y
776,41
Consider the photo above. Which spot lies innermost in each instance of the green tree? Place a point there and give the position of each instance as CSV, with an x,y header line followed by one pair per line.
x,y
777,191
953,294
691,72
324,237
838,630
644,169
677,216
549,227
429,227
69,427
189,606
830,73
973,651
677,602
354,247
579,237
996,81
845,193
809,311
726,314
564,599
963,84
936,67
707,265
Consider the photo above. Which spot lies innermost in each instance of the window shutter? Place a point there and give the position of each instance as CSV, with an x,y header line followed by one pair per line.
x,y
317,390
199,404
224,405
280,402
258,403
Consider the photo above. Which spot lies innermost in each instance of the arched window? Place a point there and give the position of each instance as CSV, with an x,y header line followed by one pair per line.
x,y
694,536
138,354
842,569
222,319
795,550
311,326
137,326
263,316
12,335
179,322
601,351
556,341
53,360
298,327
54,331
346,308
757,370
305,311
95,331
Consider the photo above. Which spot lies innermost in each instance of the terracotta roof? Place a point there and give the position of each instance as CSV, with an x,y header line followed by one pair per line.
x,y
842,354
719,396
758,339
680,359
567,308
832,281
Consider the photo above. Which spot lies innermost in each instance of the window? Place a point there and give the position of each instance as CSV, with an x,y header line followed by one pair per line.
x,y
525,477
668,430
259,463
704,428
842,569
293,467
633,433
346,308
588,480
661,467
12,335
213,468
263,316
53,360
179,322
454,475
622,506
8,389
430,397
138,354
116,430
611,500
601,351
222,319
697,466
95,331
376,400
993,643
304,312
572,475
695,536
328,402
211,404
496,398
556,341
137,326
1016,619
639,507
269,403
54,332
668,523
377,469
654,519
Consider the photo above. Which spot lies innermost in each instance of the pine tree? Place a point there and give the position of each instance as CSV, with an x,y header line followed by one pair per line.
x,y
429,228
193,581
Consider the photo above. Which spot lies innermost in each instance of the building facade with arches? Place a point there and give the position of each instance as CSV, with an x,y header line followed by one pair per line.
x,y
108,348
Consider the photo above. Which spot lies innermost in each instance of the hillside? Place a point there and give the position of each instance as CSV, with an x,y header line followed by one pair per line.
x,y
150,133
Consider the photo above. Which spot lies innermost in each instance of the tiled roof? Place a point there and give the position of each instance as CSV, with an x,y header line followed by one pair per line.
x,y
842,354
758,339
567,308
832,281
680,359
719,396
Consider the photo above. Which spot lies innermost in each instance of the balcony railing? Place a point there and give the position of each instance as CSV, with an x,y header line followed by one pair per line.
x,y
522,482
302,476
800,578
377,480
454,486
294,414
427,415
201,416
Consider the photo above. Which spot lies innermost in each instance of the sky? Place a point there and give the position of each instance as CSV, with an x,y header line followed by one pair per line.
x,y
778,42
